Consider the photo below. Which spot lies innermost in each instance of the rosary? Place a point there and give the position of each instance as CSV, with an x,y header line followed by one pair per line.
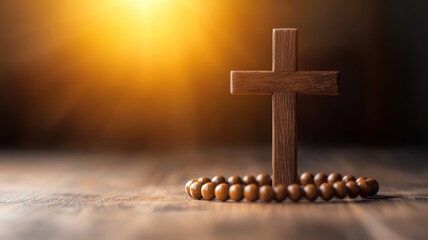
x,y
253,188
283,83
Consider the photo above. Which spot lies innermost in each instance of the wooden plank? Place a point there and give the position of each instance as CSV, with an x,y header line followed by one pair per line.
x,y
284,50
284,130
284,139
47,195
302,82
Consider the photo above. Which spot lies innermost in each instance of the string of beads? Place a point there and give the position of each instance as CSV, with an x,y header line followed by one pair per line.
x,y
310,186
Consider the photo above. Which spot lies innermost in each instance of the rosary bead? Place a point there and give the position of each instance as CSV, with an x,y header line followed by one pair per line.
x,y
374,186
222,192
365,188
253,188
326,191
306,178
295,192
195,190
334,177
264,179
234,180
251,192
218,179
320,178
353,189
207,191
360,179
280,192
348,178
266,193
187,187
236,192
248,179
311,192
340,189
204,179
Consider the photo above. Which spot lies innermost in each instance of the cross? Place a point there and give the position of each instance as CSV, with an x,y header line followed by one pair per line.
x,y
284,82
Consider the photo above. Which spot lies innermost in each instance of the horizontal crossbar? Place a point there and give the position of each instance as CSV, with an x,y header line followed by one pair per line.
x,y
268,82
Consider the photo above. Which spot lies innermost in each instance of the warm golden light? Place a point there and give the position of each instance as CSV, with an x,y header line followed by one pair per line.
x,y
149,34
99,68
128,59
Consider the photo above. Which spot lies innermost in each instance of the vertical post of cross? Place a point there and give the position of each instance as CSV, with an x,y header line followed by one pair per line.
x,y
284,106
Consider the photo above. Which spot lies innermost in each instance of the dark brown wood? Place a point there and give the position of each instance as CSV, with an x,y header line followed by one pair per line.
x,y
284,110
141,196
284,50
302,82
284,138
284,83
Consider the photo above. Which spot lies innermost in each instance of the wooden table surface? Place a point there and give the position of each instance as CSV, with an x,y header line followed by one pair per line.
x,y
45,195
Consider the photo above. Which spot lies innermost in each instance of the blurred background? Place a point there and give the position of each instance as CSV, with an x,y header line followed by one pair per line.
x,y
131,75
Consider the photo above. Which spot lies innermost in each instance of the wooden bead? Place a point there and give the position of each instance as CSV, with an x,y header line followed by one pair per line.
x,y
320,178
334,177
248,179
251,192
353,189
236,192
187,187
311,192
374,186
360,179
222,192
365,188
295,192
264,179
326,191
280,192
207,191
266,193
195,190
218,179
340,189
235,179
204,179
348,178
306,178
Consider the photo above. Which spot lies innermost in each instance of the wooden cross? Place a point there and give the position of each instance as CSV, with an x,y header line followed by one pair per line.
x,y
284,82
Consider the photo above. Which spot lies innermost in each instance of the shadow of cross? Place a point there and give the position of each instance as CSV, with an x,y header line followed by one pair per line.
x,y
284,82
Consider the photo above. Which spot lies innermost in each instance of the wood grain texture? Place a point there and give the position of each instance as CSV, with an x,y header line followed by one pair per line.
x,y
284,138
284,104
302,82
141,196
284,83
284,50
